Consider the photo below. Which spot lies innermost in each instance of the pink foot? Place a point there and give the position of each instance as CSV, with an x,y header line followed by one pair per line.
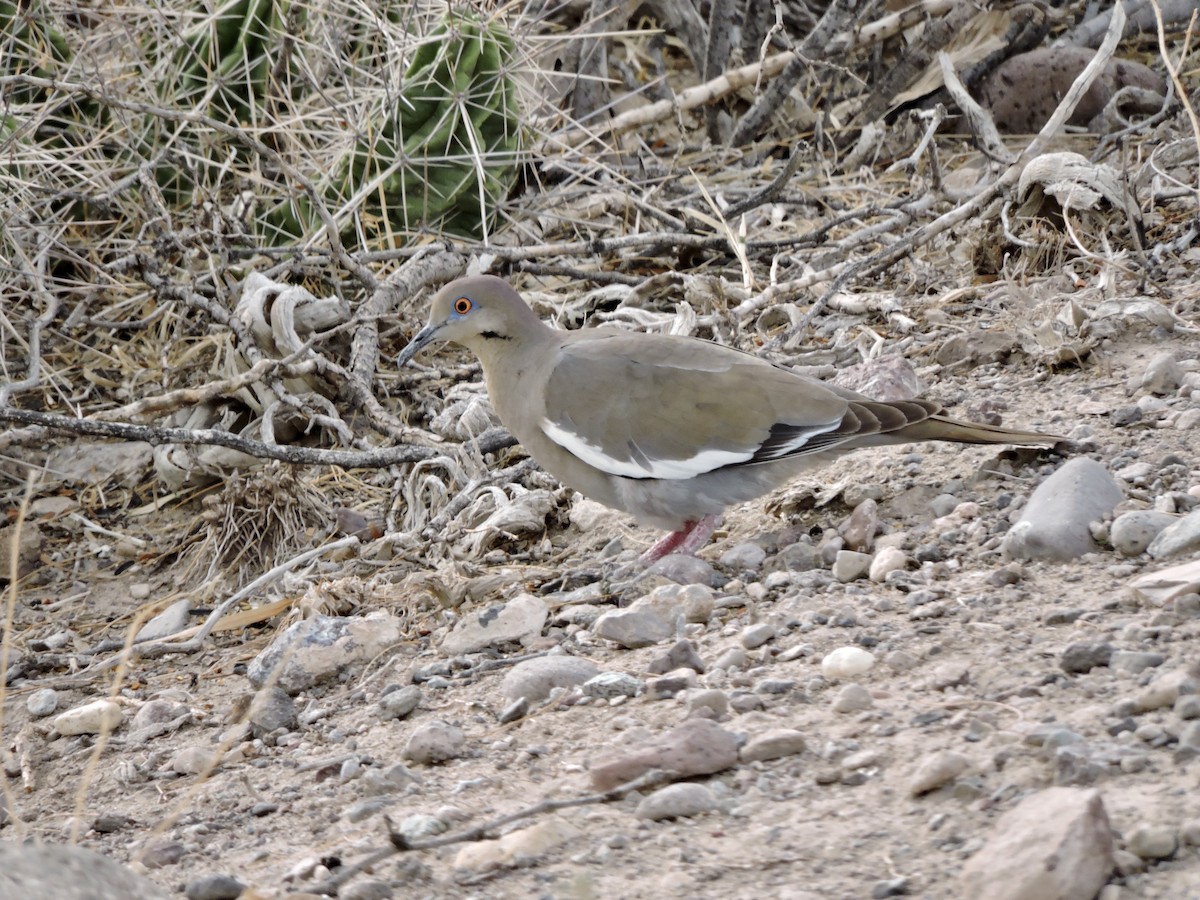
x,y
687,540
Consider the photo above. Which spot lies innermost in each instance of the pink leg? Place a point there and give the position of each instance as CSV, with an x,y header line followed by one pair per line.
x,y
687,540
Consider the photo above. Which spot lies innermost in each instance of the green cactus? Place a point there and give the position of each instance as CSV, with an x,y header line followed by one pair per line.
x,y
446,153
231,54
30,44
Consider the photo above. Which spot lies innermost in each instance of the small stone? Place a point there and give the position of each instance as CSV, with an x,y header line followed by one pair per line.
x,y
42,703
1187,707
677,801
683,569
161,854
682,655
270,710
799,557
745,557
1080,658
194,760
757,635
367,889
858,531
534,679
1132,532
1165,690
214,887
852,698
608,685
773,744
670,684
887,561
91,718
937,769
893,887
1151,841
847,662
694,602
1189,832
850,565
733,658
1163,374
435,742
171,620
710,699
525,846
400,703
633,628
517,709
1135,661
420,825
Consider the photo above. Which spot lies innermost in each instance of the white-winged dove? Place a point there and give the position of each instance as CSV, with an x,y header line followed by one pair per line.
x,y
669,429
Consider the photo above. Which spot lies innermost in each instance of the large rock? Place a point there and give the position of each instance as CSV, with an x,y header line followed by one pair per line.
x,y
314,650
1053,845
69,873
519,619
1054,524
697,747
1177,538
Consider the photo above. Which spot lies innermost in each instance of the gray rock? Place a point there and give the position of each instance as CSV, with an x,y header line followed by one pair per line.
x,y
1182,536
773,744
858,531
35,871
670,685
317,649
534,679
1055,523
799,557
1132,532
400,703
1085,656
633,628
214,887
682,655
1135,661
519,619
852,698
171,620
1152,841
367,889
42,703
685,570
697,747
745,557
677,801
1163,375
270,710
607,685
435,742
1053,845
733,658
937,769
850,565
757,635
711,699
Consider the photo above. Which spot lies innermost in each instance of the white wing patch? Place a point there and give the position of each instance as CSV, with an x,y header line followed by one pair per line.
x,y
642,466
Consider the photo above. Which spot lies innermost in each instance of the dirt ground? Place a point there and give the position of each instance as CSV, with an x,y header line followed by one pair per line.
x,y
975,671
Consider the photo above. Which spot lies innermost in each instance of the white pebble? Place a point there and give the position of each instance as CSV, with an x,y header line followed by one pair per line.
x,y
847,662
91,718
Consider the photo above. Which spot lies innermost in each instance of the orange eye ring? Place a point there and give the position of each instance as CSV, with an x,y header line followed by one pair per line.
x,y
463,305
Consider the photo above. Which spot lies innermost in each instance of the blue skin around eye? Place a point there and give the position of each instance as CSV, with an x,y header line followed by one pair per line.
x,y
455,314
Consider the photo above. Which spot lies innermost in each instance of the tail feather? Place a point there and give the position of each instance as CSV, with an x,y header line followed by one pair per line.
x,y
944,428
